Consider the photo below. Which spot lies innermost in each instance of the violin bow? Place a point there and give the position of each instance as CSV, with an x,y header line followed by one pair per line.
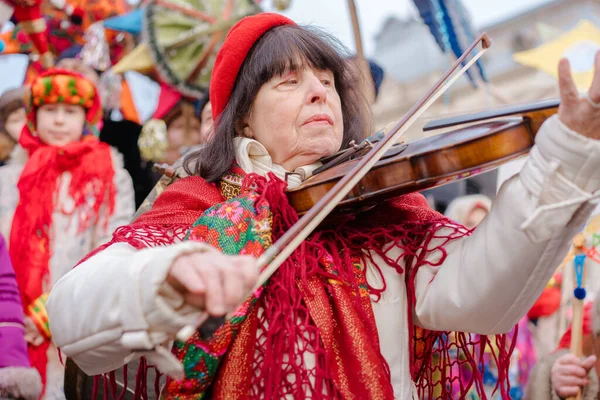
x,y
278,252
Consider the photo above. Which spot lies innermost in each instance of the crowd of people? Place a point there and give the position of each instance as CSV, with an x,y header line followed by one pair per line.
x,y
398,301
64,190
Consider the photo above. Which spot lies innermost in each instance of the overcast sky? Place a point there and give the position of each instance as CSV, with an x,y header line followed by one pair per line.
x,y
333,14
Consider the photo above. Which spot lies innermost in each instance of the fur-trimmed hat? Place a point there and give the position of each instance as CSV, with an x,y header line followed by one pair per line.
x,y
64,86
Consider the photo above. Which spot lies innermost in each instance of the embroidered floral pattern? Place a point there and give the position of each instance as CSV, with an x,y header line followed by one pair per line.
x,y
236,226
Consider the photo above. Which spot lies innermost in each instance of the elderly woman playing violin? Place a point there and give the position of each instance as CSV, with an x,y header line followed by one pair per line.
x,y
358,309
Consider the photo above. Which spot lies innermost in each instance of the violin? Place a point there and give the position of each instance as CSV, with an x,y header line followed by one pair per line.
x,y
487,140
493,138
499,136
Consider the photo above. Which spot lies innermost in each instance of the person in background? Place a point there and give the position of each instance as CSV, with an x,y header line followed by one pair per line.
x,y
560,374
204,114
189,126
121,134
12,119
78,66
377,74
18,380
204,111
207,125
65,195
469,210
183,130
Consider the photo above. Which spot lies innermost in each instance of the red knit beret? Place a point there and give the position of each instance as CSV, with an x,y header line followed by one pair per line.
x,y
232,54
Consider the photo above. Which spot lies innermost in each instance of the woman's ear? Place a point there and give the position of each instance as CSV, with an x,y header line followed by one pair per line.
x,y
247,132
243,129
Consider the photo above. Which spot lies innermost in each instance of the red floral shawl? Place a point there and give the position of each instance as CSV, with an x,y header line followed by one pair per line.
x,y
338,325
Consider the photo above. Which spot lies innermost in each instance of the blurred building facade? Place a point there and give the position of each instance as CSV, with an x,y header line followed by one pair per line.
x,y
413,62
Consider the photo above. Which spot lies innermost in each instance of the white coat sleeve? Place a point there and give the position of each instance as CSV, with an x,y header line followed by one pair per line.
x,y
489,280
116,306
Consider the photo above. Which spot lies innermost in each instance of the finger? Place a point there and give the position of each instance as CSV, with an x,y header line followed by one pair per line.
x,y
185,272
233,285
568,391
29,324
588,363
34,339
573,370
213,280
571,380
568,359
566,85
249,271
196,300
594,91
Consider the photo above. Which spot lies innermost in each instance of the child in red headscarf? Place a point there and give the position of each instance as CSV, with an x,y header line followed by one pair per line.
x,y
64,196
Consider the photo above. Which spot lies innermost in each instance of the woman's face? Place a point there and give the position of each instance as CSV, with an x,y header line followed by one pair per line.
x,y
207,125
297,117
60,124
15,122
176,132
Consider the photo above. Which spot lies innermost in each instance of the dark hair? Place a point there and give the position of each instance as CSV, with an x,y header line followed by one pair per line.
x,y
71,52
11,101
182,107
277,51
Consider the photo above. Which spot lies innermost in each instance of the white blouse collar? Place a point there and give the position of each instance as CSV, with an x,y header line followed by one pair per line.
x,y
252,156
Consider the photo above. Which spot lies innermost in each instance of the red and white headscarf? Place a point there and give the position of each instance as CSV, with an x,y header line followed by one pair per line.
x,y
90,165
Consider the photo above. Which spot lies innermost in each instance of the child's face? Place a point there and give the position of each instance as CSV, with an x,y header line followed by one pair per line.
x,y
15,122
60,124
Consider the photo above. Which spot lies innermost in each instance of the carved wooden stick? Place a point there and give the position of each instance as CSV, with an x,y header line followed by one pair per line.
x,y
578,302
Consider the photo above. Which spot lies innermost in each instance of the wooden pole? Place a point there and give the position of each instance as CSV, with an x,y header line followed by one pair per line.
x,y
367,85
577,334
356,28
577,321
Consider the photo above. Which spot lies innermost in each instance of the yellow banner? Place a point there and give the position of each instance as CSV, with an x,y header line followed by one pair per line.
x,y
578,45
138,59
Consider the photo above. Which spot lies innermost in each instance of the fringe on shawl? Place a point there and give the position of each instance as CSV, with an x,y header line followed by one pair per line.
x,y
443,364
